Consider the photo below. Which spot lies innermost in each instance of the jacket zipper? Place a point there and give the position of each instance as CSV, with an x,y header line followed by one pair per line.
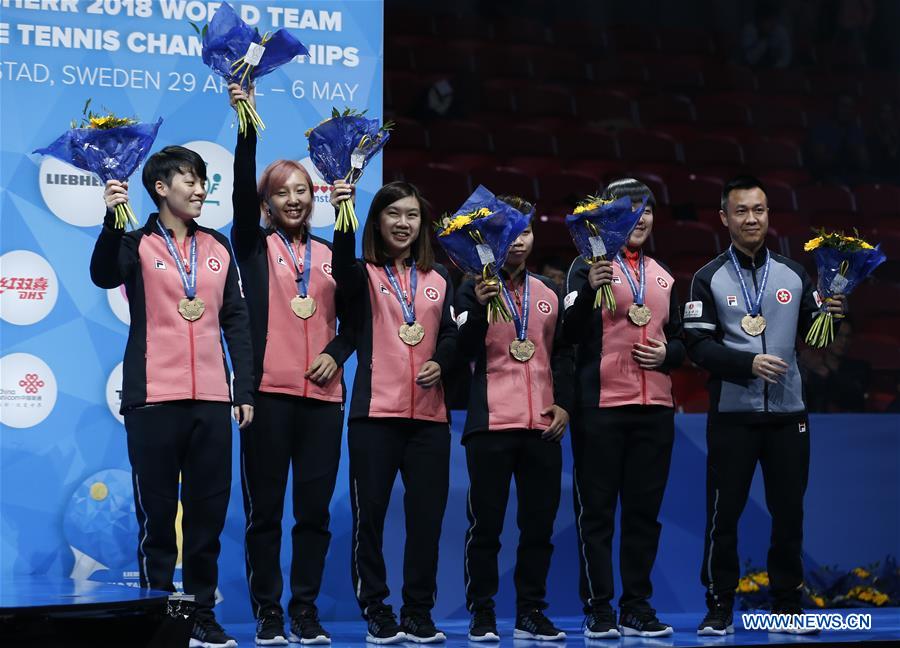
x,y
190,333
643,371
306,358
305,326
412,385
530,402
762,337
412,363
527,368
193,363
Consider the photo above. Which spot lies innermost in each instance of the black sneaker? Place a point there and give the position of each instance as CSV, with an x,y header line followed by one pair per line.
x,y
207,632
270,629
719,621
791,609
601,624
419,628
306,629
642,622
534,625
383,627
483,626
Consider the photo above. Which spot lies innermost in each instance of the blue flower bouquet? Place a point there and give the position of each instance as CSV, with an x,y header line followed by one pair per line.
x,y
599,229
477,238
340,148
111,147
238,53
842,263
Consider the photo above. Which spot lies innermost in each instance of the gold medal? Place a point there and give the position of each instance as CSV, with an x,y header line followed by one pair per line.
x,y
521,350
412,334
191,309
303,307
639,315
753,325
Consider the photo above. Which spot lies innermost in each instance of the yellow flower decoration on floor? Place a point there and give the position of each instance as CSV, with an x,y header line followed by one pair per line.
x,y
761,578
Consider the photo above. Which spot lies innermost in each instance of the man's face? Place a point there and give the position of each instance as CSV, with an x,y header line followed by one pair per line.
x,y
747,217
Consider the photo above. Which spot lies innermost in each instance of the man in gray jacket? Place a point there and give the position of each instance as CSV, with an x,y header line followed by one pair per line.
x,y
746,308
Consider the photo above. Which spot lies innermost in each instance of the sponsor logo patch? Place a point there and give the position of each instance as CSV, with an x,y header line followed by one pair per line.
x,y
693,309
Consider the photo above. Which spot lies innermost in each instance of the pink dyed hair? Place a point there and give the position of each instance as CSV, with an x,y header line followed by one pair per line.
x,y
274,176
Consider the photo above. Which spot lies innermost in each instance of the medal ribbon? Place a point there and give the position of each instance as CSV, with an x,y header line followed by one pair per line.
x,y
636,292
409,307
753,308
521,321
303,271
189,282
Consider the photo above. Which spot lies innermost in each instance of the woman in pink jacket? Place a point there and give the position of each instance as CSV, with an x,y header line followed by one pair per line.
x,y
623,421
399,311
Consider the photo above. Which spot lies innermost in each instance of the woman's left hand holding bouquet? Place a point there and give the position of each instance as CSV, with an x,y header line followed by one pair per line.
x,y
485,292
237,93
115,194
341,192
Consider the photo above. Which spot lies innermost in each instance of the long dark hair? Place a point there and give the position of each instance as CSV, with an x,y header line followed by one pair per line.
x,y
373,244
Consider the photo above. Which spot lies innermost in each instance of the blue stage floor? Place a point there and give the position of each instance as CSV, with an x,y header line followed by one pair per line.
x,y
885,628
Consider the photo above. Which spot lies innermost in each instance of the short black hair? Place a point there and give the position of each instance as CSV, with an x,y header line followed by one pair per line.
x,y
518,203
168,161
739,183
634,189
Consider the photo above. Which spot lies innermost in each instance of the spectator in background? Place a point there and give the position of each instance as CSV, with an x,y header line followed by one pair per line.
x,y
837,145
884,144
835,382
766,41
854,20
554,269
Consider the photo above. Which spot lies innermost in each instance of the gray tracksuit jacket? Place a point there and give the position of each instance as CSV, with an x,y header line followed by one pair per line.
x,y
717,343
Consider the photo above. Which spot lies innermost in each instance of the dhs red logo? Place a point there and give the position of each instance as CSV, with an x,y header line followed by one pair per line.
x,y
432,293
214,264
32,383
544,307
784,296
662,282
27,288
326,268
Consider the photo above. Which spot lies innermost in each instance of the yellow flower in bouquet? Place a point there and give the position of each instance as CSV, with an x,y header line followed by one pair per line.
x,y
451,225
590,204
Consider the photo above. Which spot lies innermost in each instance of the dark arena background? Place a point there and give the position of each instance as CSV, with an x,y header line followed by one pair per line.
x,y
550,101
